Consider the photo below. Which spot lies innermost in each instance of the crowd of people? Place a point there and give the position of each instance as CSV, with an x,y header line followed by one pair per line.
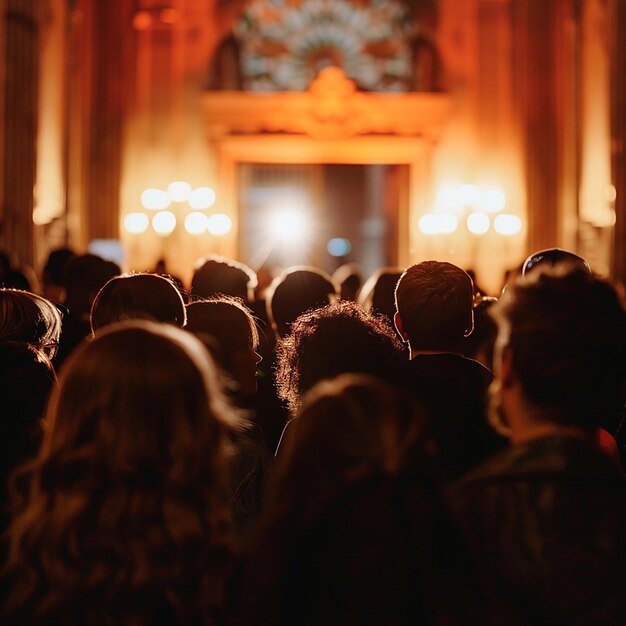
x,y
319,452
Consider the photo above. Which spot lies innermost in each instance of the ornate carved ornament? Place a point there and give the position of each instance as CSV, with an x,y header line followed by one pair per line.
x,y
332,108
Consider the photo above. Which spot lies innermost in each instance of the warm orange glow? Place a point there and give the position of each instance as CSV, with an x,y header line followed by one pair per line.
x,y
142,20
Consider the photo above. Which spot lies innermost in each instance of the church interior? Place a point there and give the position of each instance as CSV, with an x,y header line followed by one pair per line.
x,y
320,132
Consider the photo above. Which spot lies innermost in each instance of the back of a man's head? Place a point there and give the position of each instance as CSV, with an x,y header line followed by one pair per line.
x,y
215,275
566,331
434,303
298,289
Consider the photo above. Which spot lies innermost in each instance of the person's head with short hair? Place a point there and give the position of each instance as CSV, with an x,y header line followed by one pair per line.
x,y
297,289
54,273
85,275
552,257
129,478
235,337
434,302
217,275
29,318
560,354
138,296
348,278
337,339
378,293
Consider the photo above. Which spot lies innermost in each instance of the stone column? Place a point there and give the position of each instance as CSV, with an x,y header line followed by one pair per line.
x,y
535,75
108,93
618,135
18,130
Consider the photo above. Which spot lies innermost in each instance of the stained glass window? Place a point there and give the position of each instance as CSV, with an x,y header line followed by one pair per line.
x,y
284,44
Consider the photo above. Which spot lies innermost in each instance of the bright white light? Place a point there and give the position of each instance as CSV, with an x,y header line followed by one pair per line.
x,y
179,191
492,200
155,199
507,224
196,223
469,194
164,222
136,223
201,198
219,224
449,198
438,223
478,223
289,226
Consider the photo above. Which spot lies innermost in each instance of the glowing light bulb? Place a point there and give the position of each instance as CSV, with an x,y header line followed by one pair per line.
x,y
196,223
219,224
478,223
155,199
201,198
164,222
507,224
438,224
136,223
179,191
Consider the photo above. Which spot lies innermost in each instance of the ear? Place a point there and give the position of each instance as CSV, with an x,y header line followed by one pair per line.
x,y
506,367
397,320
470,325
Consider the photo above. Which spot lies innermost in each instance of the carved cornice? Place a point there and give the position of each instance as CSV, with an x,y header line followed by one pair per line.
x,y
332,109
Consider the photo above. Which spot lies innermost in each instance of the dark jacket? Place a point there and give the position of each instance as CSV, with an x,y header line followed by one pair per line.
x,y
547,522
453,390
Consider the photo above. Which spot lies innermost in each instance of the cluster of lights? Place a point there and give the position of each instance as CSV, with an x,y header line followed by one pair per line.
x,y
477,205
164,221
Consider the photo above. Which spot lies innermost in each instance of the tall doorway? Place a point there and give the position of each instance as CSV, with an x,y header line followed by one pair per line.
x,y
324,215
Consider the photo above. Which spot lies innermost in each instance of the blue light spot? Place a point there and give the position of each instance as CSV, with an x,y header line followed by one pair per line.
x,y
338,246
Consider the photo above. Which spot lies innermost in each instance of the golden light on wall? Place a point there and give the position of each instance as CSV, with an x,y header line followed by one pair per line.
x,y
468,225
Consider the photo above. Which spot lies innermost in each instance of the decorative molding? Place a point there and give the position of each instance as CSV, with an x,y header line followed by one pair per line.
x,y
332,108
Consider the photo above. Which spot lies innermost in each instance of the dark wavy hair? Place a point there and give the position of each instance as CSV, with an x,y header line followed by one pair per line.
x,y
340,338
125,515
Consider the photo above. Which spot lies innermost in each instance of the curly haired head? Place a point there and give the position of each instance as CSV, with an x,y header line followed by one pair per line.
x,y
125,503
337,339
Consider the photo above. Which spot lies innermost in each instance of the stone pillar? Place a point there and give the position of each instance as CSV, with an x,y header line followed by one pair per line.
x,y
536,76
618,135
108,25
18,129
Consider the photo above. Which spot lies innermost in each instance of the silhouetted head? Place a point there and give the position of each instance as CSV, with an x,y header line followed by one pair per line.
x,y
552,257
29,318
378,293
348,279
215,275
85,275
434,306
479,345
297,289
56,266
138,296
337,339
230,324
129,478
563,333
